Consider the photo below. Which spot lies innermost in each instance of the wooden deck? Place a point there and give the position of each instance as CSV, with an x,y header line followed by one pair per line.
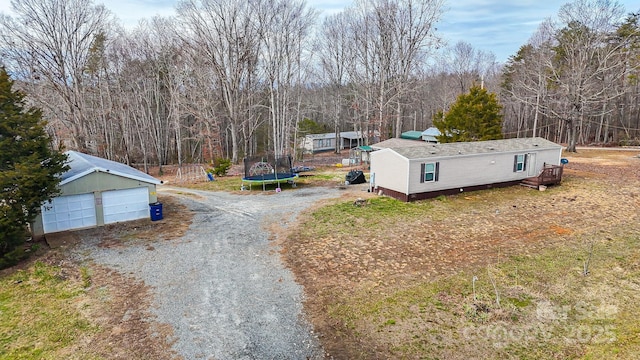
x,y
550,175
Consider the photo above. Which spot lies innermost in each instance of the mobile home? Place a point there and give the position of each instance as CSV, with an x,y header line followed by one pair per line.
x,y
428,170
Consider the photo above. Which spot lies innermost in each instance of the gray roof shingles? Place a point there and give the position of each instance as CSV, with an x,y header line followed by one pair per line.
x,y
426,150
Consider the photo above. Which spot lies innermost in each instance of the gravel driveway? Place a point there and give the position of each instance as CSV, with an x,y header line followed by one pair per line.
x,y
222,287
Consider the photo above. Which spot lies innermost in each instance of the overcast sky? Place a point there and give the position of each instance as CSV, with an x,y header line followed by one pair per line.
x,y
500,26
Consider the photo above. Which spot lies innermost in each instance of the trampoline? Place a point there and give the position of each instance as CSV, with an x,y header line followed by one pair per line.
x,y
265,170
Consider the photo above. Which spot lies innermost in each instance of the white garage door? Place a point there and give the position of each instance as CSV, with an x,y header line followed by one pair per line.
x,y
69,212
125,205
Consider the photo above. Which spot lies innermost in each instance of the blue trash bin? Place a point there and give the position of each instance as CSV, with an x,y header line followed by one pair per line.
x,y
156,211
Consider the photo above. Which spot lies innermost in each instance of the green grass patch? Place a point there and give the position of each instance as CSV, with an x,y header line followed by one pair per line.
x,y
38,315
234,183
599,153
85,274
323,176
224,183
346,217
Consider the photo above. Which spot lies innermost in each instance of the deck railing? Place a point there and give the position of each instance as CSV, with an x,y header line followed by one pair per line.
x,y
550,175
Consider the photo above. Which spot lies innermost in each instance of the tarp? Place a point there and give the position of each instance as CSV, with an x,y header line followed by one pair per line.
x,y
355,177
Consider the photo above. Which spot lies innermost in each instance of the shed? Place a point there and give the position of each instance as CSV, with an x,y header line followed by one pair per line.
x,y
351,139
95,192
313,143
360,155
428,170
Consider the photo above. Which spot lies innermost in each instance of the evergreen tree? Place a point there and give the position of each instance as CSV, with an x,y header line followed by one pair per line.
x,y
474,116
307,126
29,169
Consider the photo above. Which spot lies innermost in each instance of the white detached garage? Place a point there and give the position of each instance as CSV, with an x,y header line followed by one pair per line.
x,y
95,192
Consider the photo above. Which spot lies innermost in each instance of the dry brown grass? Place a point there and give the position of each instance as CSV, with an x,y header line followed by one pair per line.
x,y
53,308
109,310
176,220
365,269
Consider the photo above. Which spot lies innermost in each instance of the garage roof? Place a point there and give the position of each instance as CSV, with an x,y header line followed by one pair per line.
x,y
82,164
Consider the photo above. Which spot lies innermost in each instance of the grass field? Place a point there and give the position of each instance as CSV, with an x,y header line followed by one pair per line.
x,y
491,274
52,307
41,312
502,273
323,177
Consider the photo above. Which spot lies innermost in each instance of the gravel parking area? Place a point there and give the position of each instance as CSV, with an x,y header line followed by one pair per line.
x,y
223,287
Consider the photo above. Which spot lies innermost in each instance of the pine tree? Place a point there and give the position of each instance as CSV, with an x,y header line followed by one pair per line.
x,y
474,116
29,168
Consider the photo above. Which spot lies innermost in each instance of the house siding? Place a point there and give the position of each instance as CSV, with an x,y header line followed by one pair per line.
x,y
474,170
389,169
459,166
100,181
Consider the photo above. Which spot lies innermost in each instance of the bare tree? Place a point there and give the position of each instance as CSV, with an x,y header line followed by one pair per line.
x,y
49,43
286,26
335,54
226,35
585,63
573,76
526,77
391,40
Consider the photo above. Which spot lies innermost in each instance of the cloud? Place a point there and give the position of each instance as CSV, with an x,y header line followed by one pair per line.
x,y
500,26
130,12
495,26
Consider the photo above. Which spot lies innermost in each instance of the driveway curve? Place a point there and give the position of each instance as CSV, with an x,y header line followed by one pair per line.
x,y
222,286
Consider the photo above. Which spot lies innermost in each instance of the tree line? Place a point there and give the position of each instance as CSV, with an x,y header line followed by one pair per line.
x,y
576,80
226,78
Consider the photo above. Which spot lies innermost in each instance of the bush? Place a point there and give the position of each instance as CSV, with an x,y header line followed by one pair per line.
x,y
629,142
14,257
12,241
220,167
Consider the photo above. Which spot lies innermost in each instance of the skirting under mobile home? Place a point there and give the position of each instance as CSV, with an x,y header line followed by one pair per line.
x,y
428,170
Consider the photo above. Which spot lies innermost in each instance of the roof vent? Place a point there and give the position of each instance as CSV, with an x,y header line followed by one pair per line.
x,y
433,151
535,144
491,148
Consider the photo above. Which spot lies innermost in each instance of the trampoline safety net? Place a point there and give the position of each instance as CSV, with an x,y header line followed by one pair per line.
x,y
266,166
268,170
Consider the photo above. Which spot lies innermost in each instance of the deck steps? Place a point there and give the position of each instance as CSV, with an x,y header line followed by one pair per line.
x,y
530,182
550,175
